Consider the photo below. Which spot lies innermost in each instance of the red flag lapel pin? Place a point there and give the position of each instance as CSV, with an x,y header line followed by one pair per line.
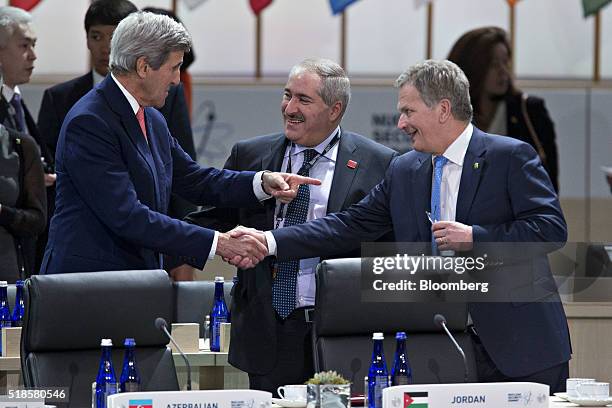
x,y
352,164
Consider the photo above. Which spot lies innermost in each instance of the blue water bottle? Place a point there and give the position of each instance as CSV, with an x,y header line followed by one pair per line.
x,y
218,315
130,378
401,373
106,382
5,311
19,309
378,376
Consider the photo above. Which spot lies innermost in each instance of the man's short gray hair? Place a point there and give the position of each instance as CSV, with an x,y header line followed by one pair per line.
x,y
437,80
11,18
148,35
335,85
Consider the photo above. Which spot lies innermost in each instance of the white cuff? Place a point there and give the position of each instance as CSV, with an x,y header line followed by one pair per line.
x,y
260,193
271,243
213,247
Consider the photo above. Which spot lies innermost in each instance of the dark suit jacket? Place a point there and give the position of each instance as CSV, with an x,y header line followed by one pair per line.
x,y
7,120
253,339
543,127
506,198
58,100
113,190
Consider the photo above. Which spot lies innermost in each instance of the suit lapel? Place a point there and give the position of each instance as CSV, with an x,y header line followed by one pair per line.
x,y
422,183
273,160
473,167
343,175
119,104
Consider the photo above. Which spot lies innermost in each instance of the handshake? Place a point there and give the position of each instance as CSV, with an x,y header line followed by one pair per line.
x,y
245,247
242,247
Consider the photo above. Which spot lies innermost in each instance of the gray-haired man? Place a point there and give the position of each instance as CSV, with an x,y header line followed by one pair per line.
x,y
273,303
118,164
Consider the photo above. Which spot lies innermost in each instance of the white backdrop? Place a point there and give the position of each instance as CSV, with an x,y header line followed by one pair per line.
x,y
384,36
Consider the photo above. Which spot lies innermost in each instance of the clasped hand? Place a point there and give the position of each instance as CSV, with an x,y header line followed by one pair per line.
x,y
242,247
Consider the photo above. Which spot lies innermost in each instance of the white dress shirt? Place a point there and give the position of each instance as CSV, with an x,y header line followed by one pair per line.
x,y
257,187
317,207
451,174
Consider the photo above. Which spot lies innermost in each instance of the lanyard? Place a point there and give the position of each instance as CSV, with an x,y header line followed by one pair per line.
x,y
307,166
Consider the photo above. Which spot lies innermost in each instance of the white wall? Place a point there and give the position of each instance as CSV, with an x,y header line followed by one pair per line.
x,y
384,36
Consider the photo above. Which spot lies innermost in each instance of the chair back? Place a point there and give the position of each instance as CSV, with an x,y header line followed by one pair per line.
x,y
68,314
343,327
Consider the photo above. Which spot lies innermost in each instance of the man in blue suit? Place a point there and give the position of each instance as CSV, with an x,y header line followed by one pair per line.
x,y
118,165
485,188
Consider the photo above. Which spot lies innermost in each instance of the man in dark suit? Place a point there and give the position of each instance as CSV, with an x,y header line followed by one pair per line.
x,y
478,188
118,164
272,345
17,56
101,20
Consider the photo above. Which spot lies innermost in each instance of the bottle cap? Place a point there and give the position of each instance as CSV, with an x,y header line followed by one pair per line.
x,y
129,342
219,279
106,342
400,336
378,336
3,284
207,318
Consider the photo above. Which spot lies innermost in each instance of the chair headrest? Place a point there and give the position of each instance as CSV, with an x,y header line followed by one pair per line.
x,y
76,310
340,309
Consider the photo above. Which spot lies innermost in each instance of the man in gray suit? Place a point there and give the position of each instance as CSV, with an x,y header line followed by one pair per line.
x,y
273,303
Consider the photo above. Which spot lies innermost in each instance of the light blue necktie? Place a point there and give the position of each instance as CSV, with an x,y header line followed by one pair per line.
x,y
439,162
283,288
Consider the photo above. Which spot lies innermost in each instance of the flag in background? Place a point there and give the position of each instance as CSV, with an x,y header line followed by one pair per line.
x,y
24,4
338,6
593,6
258,5
420,3
192,4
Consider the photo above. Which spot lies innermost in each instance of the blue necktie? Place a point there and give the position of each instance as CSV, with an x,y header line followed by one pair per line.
x,y
439,162
19,115
283,288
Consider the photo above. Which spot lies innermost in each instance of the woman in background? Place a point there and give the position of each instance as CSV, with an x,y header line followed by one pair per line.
x,y
485,56
23,204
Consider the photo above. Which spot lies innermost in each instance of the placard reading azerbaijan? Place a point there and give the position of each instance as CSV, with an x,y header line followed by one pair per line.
x,y
192,399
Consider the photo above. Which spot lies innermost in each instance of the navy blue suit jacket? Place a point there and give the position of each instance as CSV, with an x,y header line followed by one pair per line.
x,y
508,197
113,190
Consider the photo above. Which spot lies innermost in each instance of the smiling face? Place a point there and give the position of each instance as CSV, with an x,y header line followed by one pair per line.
x,y
18,56
420,122
307,119
98,41
157,83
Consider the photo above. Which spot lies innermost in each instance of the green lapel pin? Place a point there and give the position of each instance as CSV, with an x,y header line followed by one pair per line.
x,y
476,166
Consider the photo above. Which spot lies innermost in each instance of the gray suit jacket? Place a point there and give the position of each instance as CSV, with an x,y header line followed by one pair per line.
x,y
253,338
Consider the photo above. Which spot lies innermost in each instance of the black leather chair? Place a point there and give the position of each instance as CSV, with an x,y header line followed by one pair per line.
x,y
193,300
68,314
343,327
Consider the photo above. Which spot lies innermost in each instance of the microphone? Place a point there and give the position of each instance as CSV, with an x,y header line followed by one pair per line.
x,y
162,325
440,321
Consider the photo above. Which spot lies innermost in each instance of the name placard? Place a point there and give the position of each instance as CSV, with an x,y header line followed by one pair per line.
x,y
470,395
192,399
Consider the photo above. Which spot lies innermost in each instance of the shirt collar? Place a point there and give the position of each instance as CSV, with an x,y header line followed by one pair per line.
x,y
97,78
319,148
455,153
133,102
8,92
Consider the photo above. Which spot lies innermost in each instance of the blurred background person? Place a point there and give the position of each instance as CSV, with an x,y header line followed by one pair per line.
x,y
23,203
485,56
17,56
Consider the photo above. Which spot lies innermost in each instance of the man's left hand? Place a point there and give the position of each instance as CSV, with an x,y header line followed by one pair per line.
x,y
284,186
452,235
